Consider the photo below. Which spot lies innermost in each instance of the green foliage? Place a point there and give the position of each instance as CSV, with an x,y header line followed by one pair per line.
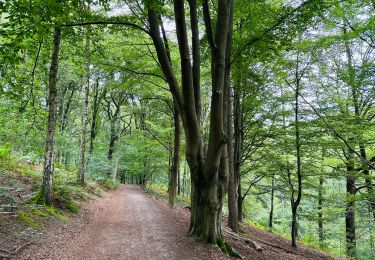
x,y
276,44
4,153
27,218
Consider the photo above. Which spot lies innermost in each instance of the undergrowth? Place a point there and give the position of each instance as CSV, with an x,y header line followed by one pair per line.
x,y
21,176
160,191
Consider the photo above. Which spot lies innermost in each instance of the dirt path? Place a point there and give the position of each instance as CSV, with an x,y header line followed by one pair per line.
x,y
129,224
125,224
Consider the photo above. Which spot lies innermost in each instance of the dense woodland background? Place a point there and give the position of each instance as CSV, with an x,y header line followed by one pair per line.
x,y
298,110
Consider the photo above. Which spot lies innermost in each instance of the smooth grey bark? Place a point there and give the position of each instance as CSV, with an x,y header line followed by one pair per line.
x,y
48,170
232,182
207,185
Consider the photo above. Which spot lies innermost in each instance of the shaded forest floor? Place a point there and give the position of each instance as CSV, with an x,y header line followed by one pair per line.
x,y
128,223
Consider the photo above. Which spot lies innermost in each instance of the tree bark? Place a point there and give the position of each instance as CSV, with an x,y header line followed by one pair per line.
x,y
238,134
295,202
175,167
350,211
82,162
357,113
320,212
270,220
48,171
95,110
208,185
232,183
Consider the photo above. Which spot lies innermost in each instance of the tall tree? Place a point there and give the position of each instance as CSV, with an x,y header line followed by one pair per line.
x,y
48,171
208,187
84,120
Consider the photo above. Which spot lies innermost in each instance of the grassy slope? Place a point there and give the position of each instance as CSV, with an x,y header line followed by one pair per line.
x,y
20,217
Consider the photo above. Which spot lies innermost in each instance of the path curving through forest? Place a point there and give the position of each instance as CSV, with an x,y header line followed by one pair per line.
x,y
125,224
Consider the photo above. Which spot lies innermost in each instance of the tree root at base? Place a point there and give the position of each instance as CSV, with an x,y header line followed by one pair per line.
x,y
236,236
228,249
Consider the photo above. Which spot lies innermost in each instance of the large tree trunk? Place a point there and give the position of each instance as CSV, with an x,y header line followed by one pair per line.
x,y
82,162
47,185
175,167
208,185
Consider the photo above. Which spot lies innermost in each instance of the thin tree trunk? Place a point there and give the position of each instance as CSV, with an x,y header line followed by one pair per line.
x,y
295,202
270,220
82,162
320,212
240,204
355,99
95,109
112,139
175,168
237,148
48,171
232,183
350,211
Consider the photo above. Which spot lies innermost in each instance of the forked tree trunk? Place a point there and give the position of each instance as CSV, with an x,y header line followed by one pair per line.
x,y
355,93
175,167
48,171
82,162
296,201
208,186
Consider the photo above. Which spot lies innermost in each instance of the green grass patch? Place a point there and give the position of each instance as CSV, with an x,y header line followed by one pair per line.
x,y
39,213
27,218
70,205
55,213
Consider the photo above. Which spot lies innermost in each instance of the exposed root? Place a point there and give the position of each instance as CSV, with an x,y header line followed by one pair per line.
x,y
228,249
240,237
15,252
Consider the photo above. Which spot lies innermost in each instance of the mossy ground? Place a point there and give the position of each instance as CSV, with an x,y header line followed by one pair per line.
x,y
28,219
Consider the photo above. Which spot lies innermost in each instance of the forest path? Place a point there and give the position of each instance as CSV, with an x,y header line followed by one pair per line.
x,y
125,224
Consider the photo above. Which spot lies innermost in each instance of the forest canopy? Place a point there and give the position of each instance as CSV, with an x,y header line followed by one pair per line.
x,y
260,110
